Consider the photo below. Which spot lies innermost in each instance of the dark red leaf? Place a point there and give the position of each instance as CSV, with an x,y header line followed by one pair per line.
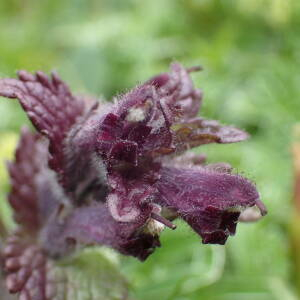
x,y
50,106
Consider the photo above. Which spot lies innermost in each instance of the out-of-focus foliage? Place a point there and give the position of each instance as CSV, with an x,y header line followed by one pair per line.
x,y
250,54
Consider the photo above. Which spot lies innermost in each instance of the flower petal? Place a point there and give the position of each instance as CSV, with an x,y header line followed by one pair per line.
x,y
178,86
130,196
94,225
198,131
210,201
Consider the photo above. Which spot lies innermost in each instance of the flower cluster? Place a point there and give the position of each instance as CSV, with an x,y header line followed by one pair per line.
x,y
115,173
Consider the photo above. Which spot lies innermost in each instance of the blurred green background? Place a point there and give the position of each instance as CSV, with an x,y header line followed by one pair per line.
x,y
249,50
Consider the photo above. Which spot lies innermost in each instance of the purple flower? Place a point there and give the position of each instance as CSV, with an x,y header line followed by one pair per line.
x,y
117,173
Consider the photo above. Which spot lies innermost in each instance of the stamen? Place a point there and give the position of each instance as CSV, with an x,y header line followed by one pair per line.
x,y
163,220
261,206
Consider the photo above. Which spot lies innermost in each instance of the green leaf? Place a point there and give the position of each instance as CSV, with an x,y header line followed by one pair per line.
x,y
92,275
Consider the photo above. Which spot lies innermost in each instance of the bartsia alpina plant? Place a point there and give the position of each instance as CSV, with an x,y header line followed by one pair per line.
x,y
114,174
